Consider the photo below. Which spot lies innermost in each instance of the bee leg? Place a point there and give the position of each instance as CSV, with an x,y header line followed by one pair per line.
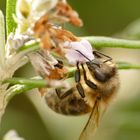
x,y
77,80
80,90
59,64
64,95
88,82
99,54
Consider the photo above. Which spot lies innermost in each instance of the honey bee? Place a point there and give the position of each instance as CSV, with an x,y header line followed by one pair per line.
x,y
96,82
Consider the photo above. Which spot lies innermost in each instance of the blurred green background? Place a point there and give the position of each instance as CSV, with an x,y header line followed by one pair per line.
x,y
29,115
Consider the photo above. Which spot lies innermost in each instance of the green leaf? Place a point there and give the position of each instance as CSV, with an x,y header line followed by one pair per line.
x,y
31,46
30,82
38,82
125,65
96,42
108,42
17,89
10,11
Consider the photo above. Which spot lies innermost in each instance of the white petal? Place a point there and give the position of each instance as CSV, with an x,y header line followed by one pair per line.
x,y
87,44
43,62
78,51
29,11
41,5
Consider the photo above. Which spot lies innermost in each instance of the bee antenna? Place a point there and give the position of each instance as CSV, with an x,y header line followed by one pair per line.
x,y
83,55
88,58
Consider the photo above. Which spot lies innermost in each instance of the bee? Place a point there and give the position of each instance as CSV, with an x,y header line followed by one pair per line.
x,y
96,82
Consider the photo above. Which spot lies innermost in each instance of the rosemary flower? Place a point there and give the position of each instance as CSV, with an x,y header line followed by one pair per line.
x,y
29,11
78,51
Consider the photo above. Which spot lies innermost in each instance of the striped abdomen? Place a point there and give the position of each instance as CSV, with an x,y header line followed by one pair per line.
x,y
70,105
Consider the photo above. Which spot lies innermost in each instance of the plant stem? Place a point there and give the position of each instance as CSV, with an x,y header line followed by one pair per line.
x,y
17,89
28,82
97,42
107,42
37,83
27,47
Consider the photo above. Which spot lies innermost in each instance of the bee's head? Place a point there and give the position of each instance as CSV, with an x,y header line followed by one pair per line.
x,y
102,71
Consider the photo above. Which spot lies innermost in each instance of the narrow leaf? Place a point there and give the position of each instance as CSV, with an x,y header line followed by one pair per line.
x,y
10,11
108,42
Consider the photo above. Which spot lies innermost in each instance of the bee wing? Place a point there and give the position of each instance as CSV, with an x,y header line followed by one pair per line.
x,y
93,121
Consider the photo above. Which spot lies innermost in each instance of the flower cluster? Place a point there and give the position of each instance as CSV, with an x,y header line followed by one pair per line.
x,y
56,41
41,22
78,51
40,39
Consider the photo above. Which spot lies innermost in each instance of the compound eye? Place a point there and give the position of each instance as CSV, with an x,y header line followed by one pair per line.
x,y
100,76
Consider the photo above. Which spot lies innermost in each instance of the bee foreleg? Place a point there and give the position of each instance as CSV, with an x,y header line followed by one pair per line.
x,y
77,80
65,94
88,82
